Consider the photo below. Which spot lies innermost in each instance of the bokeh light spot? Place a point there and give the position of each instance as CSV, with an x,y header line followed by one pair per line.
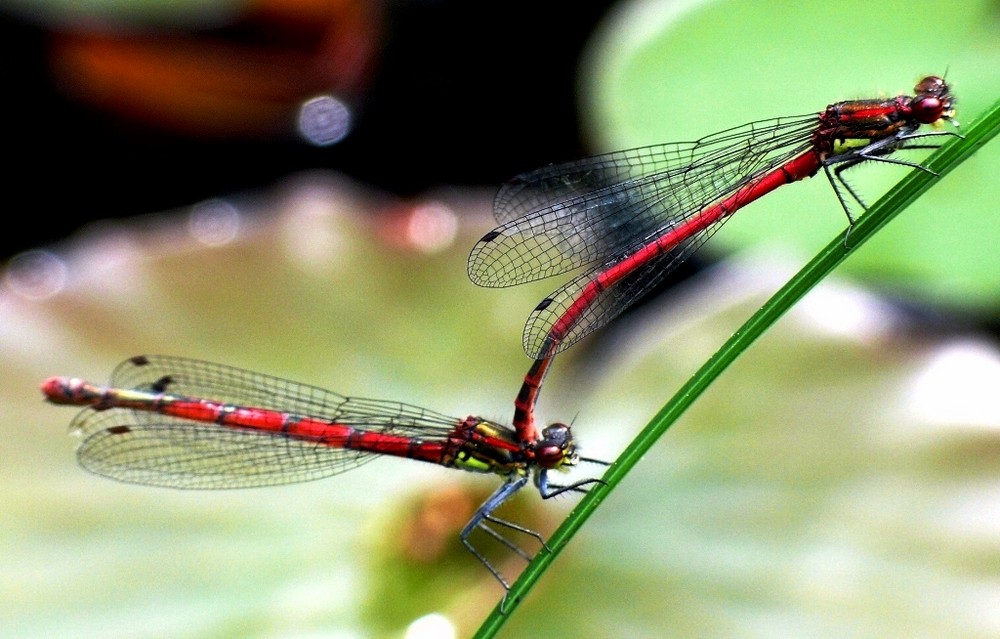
x,y
214,222
36,274
324,120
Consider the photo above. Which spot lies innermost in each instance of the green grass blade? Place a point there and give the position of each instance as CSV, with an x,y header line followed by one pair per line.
x,y
941,162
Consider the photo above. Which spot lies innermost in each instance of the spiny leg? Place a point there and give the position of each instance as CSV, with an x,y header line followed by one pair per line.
x,y
484,514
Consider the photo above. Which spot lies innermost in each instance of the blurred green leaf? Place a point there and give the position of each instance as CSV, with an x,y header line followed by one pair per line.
x,y
667,71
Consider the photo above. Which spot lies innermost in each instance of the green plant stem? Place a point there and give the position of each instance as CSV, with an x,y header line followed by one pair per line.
x,y
941,162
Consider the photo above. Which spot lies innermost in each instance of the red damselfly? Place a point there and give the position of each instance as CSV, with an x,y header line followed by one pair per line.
x,y
184,423
630,217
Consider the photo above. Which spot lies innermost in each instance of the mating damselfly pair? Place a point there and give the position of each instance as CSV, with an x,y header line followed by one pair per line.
x,y
625,219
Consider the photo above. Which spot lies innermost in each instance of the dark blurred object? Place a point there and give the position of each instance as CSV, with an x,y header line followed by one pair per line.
x,y
246,79
443,93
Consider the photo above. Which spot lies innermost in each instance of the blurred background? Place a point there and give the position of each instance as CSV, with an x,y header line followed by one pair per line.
x,y
139,107
293,187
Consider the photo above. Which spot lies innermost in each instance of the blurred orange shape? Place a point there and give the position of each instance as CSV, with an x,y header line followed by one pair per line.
x,y
246,79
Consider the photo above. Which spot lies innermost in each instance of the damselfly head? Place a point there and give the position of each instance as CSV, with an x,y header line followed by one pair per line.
x,y
932,101
556,449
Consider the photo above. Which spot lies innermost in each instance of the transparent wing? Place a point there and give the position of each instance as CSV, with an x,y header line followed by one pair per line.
x,y
146,447
160,450
606,303
593,211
